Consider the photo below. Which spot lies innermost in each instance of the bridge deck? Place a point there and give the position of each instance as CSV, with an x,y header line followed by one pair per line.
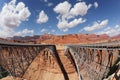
x,y
105,45
22,44
97,45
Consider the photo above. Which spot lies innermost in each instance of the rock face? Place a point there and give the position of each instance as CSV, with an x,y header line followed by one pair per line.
x,y
46,67
72,38
64,39
116,74
116,37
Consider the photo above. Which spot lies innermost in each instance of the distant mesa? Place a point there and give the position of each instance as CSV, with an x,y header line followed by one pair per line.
x,y
63,39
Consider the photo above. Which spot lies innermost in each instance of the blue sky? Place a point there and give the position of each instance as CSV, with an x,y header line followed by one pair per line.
x,y
36,17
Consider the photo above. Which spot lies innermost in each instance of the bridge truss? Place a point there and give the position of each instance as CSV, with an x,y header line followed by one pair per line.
x,y
15,58
94,61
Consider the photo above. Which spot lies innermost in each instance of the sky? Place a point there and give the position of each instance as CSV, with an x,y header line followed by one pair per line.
x,y
59,17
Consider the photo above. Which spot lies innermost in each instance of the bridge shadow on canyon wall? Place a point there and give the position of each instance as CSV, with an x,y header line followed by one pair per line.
x,y
60,64
114,68
3,72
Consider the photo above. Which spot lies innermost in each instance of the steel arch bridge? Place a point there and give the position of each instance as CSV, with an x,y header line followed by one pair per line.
x,y
88,59
16,57
97,59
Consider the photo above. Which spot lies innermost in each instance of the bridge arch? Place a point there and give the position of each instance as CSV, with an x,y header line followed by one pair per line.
x,y
97,59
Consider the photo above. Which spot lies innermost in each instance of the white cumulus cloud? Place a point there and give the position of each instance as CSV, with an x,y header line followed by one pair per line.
x,y
44,30
80,8
65,30
50,4
10,33
111,31
53,30
47,3
79,0
63,8
96,26
6,33
43,18
65,24
13,14
45,0
95,4
67,14
24,32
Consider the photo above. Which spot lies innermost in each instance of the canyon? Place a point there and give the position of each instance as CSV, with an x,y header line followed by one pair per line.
x,y
49,68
